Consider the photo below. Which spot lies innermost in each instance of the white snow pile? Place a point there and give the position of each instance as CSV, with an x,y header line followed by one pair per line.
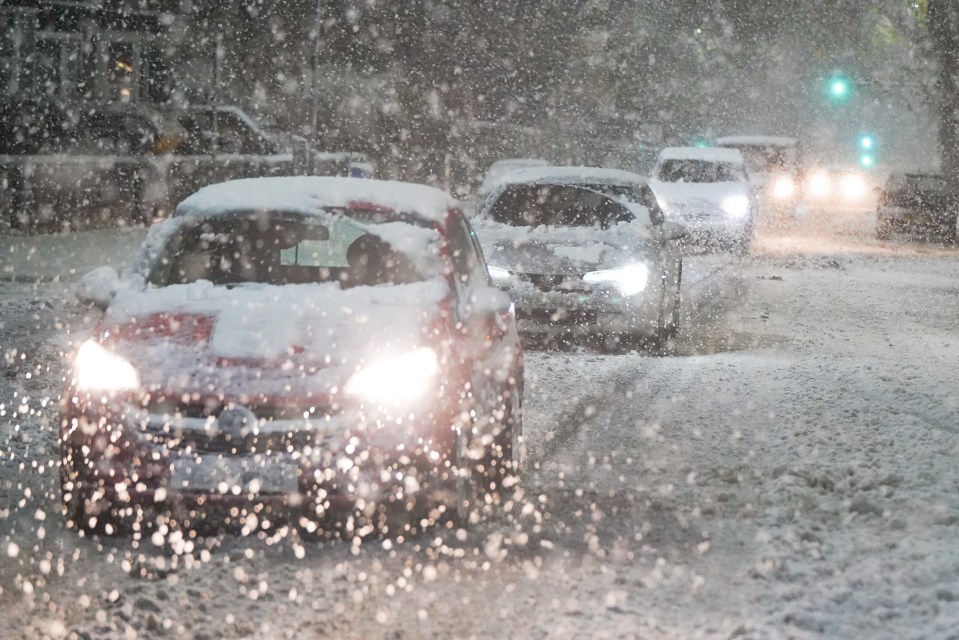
x,y
276,341
314,194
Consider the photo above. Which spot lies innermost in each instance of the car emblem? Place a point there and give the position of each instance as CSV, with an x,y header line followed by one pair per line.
x,y
236,421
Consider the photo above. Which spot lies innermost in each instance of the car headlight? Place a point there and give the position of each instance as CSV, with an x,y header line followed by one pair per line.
x,y
629,280
783,188
396,380
99,369
736,206
499,275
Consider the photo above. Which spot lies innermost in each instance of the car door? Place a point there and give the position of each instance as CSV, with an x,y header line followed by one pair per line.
x,y
489,342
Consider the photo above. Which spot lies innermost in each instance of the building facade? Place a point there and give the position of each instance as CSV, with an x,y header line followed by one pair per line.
x,y
101,52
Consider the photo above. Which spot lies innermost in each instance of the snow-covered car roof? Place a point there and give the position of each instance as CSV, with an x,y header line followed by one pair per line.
x,y
572,176
708,154
758,141
313,194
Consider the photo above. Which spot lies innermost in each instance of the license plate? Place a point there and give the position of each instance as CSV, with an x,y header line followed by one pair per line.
x,y
252,474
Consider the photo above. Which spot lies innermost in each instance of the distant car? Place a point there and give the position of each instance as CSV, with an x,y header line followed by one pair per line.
x,y
301,344
774,166
502,167
225,143
707,190
66,166
915,202
582,256
837,187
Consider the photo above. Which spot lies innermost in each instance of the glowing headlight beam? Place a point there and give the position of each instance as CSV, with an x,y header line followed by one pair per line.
x,y
736,206
783,188
98,369
397,380
629,280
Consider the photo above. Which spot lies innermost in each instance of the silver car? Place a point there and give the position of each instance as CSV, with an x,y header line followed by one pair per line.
x,y
580,262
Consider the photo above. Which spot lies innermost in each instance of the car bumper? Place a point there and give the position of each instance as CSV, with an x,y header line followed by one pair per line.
x,y
342,462
909,216
580,315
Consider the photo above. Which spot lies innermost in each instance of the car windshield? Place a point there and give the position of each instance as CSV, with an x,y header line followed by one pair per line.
x,y
554,205
278,248
696,171
767,158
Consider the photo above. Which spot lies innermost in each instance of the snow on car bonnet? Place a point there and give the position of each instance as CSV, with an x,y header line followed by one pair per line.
x,y
708,154
757,141
572,176
313,194
267,322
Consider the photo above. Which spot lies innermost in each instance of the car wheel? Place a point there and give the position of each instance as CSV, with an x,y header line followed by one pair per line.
x,y
947,231
90,511
485,470
671,328
883,230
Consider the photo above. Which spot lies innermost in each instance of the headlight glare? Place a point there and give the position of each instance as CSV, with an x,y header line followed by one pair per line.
x,y
629,280
736,206
396,380
99,369
783,188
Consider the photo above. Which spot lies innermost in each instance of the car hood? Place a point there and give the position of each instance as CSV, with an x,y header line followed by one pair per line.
x,y
264,341
562,250
678,197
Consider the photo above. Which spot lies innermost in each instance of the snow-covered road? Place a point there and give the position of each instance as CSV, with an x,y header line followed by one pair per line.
x,y
786,470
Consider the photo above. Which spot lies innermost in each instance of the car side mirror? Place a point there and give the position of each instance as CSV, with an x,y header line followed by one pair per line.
x,y
98,287
673,230
496,307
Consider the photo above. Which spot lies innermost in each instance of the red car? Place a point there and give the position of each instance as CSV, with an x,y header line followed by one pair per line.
x,y
296,344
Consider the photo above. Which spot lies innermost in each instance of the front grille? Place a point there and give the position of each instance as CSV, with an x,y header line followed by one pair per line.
x,y
210,442
561,316
554,282
212,409
275,429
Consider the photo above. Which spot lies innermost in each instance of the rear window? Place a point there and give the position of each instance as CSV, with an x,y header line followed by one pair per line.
x,y
696,171
552,205
354,248
926,184
768,159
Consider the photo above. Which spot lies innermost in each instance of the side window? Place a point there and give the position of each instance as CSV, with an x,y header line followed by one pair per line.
x,y
468,265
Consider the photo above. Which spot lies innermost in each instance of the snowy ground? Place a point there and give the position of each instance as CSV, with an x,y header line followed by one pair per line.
x,y
785,471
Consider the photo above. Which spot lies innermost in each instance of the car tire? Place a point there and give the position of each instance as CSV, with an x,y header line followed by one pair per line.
x,y
670,329
947,231
481,482
883,230
86,512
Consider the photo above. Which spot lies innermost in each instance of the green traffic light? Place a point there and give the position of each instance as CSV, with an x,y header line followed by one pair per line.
x,y
867,161
838,87
867,142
